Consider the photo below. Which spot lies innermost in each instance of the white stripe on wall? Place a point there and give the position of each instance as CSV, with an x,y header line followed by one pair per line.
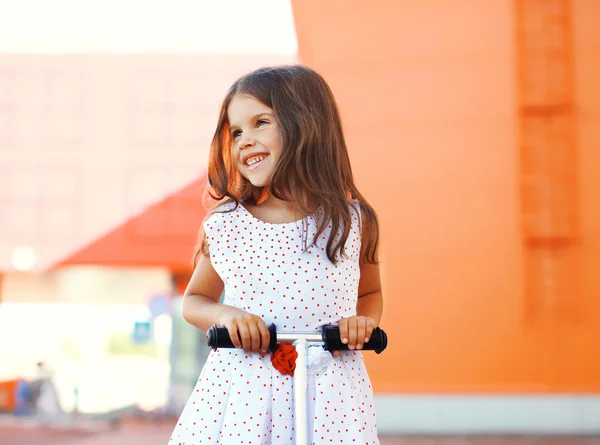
x,y
488,414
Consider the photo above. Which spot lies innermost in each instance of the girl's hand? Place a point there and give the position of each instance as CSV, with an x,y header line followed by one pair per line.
x,y
355,331
247,331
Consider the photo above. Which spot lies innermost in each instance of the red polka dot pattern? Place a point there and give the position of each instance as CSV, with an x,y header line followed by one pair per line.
x,y
240,398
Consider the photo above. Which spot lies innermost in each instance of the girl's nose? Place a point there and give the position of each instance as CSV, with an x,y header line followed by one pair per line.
x,y
245,142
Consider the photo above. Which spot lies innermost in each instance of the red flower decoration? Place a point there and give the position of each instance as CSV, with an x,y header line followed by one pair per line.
x,y
284,358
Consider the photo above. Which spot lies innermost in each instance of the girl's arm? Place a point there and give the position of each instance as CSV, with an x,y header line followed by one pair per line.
x,y
201,309
355,331
370,299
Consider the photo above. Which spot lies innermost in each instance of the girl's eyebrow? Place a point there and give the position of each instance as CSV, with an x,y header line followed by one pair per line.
x,y
266,113
256,116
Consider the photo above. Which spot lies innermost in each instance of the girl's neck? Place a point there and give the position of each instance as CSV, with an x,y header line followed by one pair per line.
x,y
286,205
274,210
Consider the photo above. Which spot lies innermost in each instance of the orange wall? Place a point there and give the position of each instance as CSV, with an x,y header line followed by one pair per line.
x,y
577,360
427,92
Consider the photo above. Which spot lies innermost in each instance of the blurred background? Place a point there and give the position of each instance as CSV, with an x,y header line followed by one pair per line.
x,y
473,128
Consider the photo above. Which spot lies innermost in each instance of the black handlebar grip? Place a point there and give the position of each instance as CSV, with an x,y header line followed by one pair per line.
x,y
219,338
331,336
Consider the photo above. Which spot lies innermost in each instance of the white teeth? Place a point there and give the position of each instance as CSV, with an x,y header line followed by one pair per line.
x,y
254,160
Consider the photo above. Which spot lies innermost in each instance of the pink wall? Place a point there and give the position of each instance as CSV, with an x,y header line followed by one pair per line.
x,y
88,141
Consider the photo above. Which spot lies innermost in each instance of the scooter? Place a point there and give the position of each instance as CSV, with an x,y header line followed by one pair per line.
x,y
328,338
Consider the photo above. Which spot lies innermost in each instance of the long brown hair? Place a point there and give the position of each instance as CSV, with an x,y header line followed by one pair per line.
x,y
314,166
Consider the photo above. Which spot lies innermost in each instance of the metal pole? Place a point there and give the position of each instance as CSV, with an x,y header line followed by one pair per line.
x,y
300,391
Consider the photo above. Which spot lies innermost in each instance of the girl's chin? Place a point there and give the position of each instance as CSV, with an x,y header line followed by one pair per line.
x,y
260,183
258,180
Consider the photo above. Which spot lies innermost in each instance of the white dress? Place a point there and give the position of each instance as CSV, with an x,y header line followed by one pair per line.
x,y
240,398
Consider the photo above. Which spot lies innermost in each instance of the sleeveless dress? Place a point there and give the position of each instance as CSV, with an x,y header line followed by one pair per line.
x,y
241,398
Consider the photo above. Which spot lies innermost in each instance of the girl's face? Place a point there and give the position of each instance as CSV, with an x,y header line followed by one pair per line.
x,y
256,146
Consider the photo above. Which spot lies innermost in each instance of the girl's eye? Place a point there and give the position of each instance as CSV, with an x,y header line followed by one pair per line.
x,y
236,133
261,122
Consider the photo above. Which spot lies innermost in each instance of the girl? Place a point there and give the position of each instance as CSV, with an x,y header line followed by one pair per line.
x,y
293,243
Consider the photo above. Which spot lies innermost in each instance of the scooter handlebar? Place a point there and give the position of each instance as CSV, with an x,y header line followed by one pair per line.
x,y
219,338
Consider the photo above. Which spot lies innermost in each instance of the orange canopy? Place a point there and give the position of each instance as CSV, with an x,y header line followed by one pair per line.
x,y
164,235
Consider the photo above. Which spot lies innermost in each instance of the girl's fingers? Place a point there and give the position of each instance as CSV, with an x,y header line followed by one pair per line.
x,y
245,337
369,329
255,340
352,331
361,330
355,331
343,326
248,332
265,336
234,335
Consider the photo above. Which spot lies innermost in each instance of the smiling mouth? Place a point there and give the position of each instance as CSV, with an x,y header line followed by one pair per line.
x,y
255,161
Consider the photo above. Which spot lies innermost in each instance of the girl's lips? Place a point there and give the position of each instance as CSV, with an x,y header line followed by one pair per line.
x,y
249,156
255,164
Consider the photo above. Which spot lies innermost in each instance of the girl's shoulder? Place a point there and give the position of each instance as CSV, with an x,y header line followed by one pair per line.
x,y
221,213
224,207
355,209
219,223
355,204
